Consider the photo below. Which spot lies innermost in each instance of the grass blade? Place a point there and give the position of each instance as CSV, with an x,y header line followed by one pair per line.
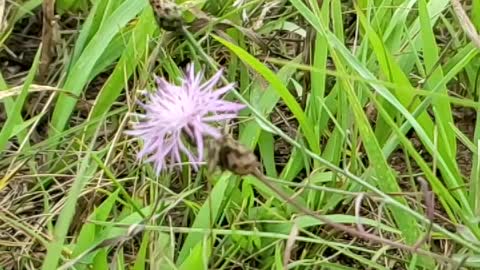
x,y
14,117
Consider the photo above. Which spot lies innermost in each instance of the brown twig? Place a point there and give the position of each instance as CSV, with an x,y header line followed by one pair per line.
x,y
430,210
358,206
289,246
3,23
466,23
48,32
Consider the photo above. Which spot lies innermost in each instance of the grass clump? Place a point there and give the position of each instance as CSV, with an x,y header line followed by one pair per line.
x,y
362,115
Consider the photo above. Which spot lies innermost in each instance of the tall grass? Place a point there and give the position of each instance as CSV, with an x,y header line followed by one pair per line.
x,y
351,106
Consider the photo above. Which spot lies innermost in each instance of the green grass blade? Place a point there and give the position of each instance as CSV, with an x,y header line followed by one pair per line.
x,y
87,235
476,14
264,101
267,153
130,58
319,79
89,28
84,174
203,218
386,178
441,107
14,117
141,256
280,88
80,72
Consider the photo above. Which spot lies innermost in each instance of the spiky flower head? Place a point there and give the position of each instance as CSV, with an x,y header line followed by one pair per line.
x,y
179,116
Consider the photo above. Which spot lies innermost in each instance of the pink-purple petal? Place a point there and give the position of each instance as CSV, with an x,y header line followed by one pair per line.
x,y
212,82
189,155
199,141
212,132
176,111
228,106
221,91
219,117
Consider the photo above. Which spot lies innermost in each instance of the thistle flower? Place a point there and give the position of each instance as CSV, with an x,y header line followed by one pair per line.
x,y
177,116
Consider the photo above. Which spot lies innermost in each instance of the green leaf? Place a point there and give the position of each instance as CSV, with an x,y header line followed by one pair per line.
x,y
79,74
278,86
130,58
14,118
204,217
88,233
441,107
141,255
194,259
84,173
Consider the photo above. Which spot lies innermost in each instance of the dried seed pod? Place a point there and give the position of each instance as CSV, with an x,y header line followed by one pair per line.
x,y
229,154
169,15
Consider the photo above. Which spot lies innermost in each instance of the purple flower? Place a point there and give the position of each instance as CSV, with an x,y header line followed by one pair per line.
x,y
176,113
